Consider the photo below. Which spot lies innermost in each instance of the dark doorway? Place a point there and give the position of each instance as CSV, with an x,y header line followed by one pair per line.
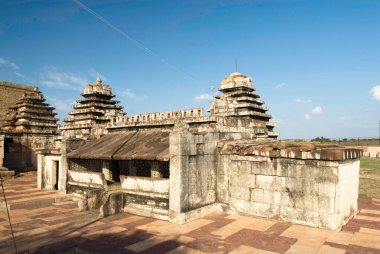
x,y
13,156
56,170
7,141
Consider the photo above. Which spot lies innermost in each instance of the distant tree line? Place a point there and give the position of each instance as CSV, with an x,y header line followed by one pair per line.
x,y
355,141
321,139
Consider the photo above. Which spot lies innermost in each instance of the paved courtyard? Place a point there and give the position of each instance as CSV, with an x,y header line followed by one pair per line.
x,y
51,224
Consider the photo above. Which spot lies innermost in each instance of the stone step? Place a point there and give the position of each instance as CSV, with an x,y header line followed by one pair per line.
x,y
3,169
36,202
64,198
65,203
7,174
147,211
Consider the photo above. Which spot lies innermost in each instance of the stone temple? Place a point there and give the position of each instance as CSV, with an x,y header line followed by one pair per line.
x,y
93,112
182,165
27,124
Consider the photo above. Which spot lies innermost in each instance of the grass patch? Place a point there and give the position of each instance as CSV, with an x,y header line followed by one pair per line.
x,y
369,182
370,164
361,195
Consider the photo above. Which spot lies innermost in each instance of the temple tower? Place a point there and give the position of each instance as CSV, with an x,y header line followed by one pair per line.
x,y
239,100
92,112
31,115
29,125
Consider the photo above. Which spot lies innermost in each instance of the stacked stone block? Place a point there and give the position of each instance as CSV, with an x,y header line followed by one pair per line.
x,y
10,94
31,115
310,192
239,100
91,114
192,171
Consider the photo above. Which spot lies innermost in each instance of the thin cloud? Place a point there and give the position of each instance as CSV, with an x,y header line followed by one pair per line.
x,y
317,111
281,85
303,101
307,117
375,92
52,77
203,97
131,95
6,63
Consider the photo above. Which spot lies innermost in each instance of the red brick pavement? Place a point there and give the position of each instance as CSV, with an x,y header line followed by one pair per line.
x,y
59,227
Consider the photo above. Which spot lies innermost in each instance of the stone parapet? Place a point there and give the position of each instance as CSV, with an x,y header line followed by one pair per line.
x,y
157,118
292,150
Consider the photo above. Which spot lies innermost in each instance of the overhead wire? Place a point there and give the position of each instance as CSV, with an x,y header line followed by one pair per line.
x,y
133,40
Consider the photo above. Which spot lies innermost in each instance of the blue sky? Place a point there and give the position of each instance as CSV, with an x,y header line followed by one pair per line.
x,y
315,63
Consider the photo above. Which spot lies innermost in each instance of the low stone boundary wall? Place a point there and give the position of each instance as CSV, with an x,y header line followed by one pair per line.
x,y
145,184
371,151
87,179
315,193
309,184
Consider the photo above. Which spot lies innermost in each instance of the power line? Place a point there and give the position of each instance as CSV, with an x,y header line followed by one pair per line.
x,y
132,40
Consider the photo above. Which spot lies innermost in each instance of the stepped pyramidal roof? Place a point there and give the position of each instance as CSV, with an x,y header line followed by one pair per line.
x,y
238,99
96,108
31,115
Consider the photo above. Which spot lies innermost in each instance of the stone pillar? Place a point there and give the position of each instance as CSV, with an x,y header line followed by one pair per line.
x,y
106,170
156,171
192,178
67,145
179,173
40,171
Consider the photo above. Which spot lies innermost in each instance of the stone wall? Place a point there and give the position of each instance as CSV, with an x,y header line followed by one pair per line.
x,y
310,192
159,116
371,151
10,93
192,171
21,153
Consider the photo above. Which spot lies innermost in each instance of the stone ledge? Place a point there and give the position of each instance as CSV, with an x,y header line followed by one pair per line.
x,y
289,149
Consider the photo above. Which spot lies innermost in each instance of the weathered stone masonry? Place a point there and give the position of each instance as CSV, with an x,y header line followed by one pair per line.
x,y
182,165
317,188
27,124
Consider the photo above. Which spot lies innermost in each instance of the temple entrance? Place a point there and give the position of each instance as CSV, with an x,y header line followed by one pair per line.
x,y
13,154
56,171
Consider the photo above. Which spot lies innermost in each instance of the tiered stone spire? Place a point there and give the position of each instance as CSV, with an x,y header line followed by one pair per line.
x,y
96,108
31,115
239,100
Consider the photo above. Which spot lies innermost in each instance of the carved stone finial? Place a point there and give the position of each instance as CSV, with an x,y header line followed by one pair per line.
x,y
98,81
